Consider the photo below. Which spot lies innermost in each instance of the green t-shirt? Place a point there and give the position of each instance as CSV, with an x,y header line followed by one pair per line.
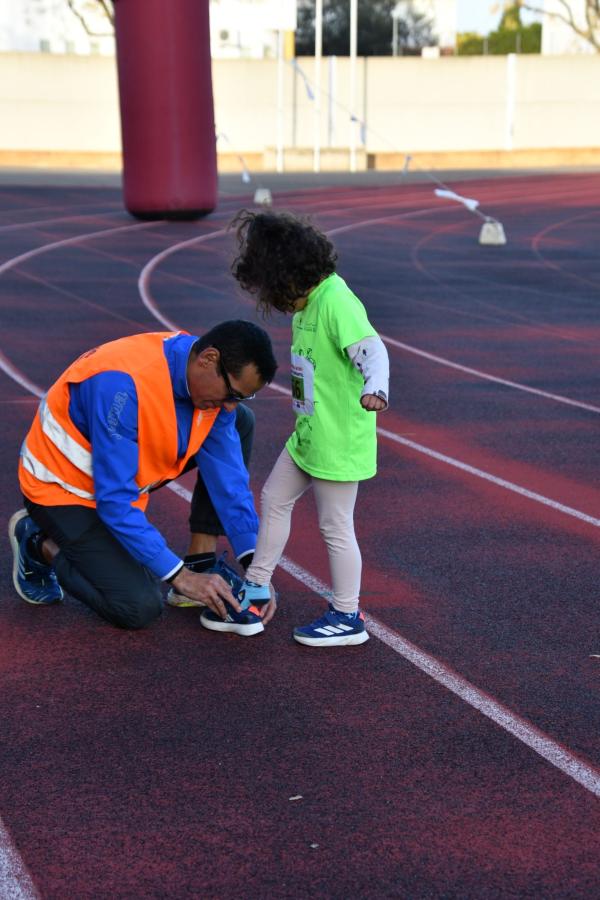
x,y
335,438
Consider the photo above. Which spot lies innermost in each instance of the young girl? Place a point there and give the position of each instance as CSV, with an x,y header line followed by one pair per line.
x,y
340,375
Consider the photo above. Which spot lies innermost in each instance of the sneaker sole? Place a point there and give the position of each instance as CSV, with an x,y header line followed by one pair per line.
x,y
233,627
14,521
182,602
344,641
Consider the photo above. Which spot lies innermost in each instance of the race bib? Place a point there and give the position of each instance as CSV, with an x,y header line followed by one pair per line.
x,y
303,380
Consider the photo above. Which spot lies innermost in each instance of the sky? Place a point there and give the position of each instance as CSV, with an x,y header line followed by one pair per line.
x,y
475,15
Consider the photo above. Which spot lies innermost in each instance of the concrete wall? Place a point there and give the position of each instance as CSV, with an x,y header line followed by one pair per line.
x,y
66,107
58,103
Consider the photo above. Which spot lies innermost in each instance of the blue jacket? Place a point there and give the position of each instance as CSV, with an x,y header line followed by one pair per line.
x,y
115,462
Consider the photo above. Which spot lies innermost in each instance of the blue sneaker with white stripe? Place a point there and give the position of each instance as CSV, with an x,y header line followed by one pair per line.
x,y
221,567
34,582
251,598
334,629
245,623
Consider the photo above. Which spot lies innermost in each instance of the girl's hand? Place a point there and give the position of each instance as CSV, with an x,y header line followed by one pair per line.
x,y
269,609
372,402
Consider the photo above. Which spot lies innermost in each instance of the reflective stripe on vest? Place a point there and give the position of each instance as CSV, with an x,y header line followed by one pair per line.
x,y
57,459
39,471
74,452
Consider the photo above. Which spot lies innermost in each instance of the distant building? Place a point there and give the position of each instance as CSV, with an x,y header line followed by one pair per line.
x,y
49,26
249,28
444,17
557,36
238,28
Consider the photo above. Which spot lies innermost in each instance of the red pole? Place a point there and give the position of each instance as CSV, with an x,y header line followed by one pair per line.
x,y
167,117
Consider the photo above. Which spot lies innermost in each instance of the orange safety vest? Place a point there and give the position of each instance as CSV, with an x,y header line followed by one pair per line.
x,y
55,467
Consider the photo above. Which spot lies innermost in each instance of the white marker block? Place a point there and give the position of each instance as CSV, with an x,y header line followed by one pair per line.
x,y
492,232
262,197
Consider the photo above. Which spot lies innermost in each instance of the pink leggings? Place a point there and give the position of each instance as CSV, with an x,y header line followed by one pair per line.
x,y
335,505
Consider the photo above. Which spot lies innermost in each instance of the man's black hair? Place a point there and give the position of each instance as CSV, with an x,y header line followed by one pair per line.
x,y
240,343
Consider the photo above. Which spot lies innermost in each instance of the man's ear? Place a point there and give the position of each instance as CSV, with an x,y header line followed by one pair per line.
x,y
207,357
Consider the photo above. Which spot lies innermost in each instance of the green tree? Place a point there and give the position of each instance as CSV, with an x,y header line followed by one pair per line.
x,y
511,36
374,28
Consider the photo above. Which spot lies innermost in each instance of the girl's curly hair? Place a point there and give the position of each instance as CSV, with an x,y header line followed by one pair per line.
x,y
281,258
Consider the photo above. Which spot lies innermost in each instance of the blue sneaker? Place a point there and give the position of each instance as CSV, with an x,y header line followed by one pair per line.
x,y
33,581
233,579
246,623
334,629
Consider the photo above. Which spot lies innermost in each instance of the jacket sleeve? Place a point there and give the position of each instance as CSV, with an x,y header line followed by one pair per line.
x,y
104,408
370,357
227,481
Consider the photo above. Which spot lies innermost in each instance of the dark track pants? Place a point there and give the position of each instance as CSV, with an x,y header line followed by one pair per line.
x,y
96,569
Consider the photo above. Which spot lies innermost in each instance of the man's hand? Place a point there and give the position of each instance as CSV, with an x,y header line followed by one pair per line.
x,y
209,589
269,609
372,402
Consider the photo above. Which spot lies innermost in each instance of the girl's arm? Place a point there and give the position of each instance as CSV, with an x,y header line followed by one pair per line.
x,y
370,357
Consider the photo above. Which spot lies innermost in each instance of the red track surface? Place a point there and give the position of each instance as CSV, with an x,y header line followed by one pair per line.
x,y
162,763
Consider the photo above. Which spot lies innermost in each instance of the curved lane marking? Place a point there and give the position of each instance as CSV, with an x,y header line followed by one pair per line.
x,y
479,374
5,363
505,317
553,752
420,448
154,262
58,220
15,881
66,242
549,264
146,273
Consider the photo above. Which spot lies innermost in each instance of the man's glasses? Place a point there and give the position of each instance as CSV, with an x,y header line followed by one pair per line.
x,y
233,396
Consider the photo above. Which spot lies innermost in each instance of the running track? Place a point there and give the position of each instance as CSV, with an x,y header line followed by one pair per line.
x,y
456,753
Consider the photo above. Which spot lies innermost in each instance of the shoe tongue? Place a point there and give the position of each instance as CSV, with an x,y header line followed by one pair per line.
x,y
245,604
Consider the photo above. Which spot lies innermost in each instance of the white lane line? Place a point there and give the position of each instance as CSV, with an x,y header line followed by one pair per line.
x,y
153,262
560,757
16,375
446,362
478,473
500,482
487,376
5,364
420,448
66,242
15,880
416,214
528,734
550,750
58,220
146,273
